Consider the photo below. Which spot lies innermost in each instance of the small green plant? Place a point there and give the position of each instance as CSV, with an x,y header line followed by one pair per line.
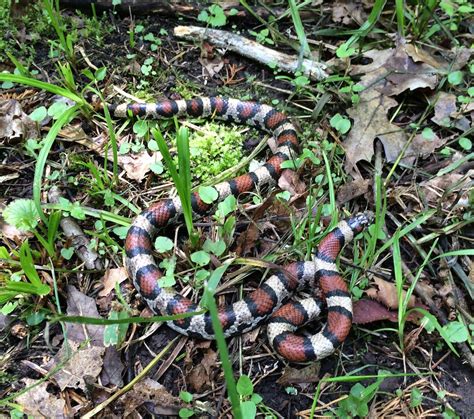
x,y
214,15
251,402
181,175
25,282
357,402
347,49
340,123
262,37
23,214
446,333
65,36
186,412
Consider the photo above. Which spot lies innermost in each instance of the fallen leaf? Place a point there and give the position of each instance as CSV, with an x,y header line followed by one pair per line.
x,y
390,73
19,330
444,107
201,375
368,311
309,374
14,123
386,293
291,182
248,238
5,321
424,147
138,165
82,362
79,304
212,66
38,402
10,232
112,277
421,55
351,190
348,12
112,368
149,391
371,122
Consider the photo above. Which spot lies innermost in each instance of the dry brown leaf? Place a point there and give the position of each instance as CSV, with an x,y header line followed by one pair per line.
x,y
369,311
12,233
309,374
291,182
38,403
212,66
201,375
113,368
444,107
351,190
391,72
85,361
74,133
112,277
424,147
421,55
347,12
371,122
79,304
149,391
14,123
386,293
138,165
449,114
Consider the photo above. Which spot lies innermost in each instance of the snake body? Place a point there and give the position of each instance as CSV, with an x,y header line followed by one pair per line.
x,y
264,302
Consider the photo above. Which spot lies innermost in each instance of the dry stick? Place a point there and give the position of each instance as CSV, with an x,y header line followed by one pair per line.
x,y
78,239
253,50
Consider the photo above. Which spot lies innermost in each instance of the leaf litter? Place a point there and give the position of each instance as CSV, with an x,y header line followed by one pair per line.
x,y
391,72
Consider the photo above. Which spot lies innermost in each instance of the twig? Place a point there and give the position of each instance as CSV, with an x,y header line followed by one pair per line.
x,y
78,239
253,50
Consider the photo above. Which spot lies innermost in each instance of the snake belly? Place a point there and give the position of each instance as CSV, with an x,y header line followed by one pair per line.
x,y
258,306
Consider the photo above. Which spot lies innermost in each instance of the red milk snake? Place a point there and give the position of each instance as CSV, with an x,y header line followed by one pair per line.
x,y
265,302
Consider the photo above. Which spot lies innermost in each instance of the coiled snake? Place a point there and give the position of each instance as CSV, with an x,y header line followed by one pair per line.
x,y
265,301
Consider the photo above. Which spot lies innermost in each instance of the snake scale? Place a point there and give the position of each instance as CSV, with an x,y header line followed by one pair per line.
x,y
265,303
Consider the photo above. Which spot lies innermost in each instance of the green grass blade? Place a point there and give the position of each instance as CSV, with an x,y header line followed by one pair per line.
x,y
332,194
223,353
182,180
43,155
184,164
299,28
52,88
96,213
400,12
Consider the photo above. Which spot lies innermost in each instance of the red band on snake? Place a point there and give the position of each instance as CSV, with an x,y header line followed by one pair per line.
x,y
264,302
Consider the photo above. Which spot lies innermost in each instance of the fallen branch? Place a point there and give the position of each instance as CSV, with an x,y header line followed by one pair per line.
x,y
253,50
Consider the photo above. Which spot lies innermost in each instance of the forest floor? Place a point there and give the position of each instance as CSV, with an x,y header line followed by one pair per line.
x,y
386,127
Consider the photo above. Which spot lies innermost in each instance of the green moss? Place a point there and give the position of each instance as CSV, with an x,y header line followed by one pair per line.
x,y
214,148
